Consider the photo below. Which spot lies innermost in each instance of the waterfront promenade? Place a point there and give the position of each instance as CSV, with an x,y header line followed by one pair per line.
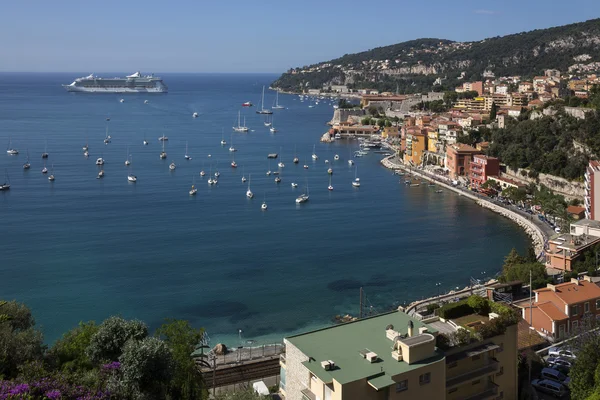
x,y
537,230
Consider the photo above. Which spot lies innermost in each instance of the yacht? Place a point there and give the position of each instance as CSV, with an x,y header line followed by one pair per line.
x,y
195,115
131,178
249,193
100,161
277,106
277,179
263,206
134,83
294,185
262,105
303,198
6,184
10,151
240,127
336,157
314,155
172,166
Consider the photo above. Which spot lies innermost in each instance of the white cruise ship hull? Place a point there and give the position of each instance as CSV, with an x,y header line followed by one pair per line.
x,y
72,88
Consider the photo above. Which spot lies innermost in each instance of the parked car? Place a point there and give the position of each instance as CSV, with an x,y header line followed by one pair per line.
x,y
559,361
556,376
548,386
561,352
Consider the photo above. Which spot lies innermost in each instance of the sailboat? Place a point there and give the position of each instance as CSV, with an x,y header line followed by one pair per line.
x,y
51,177
163,154
84,148
44,170
202,173
330,187
217,173
107,137
243,175
249,193
231,148
186,156
296,160
172,166
305,164
240,127
131,177
128,161
272,128
223,142
193,190
303,198
281,164
27,165
262,104
314,155
211,181
356,181
10,150
6,184
233,163
267,121
264,203
277,106
269,171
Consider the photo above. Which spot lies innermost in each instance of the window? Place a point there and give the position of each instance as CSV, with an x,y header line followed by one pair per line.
x,y
452,364
475,358
402,386
477,382
500,372
574,310
597,304
425,378
586,307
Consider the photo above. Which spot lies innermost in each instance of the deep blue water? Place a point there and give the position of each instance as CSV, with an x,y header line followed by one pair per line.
x,y
83,249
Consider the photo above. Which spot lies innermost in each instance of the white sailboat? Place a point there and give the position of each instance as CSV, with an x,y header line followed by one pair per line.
x,y
314,154
107,137
231,148
9,150
267,121
27,165
6,184
163,153
127,161
172,166
262,104
303,198
269,171
264,206
211,181
296,159
45,153
193,190
356,181
51,177
217,173
145,141
186,156
330,187
243,175
233,163
294,185
240,127
272,128
280,164
277,106
249,193
202,173
99,161
131,177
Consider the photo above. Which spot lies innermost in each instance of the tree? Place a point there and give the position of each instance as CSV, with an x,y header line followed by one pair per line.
x,y
107,343
479,304
20,342
372,110
70,352
517,195
147,366
493,111
520,272
182,339
512,258
585,372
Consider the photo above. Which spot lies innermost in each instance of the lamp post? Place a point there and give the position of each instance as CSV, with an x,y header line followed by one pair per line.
x,y
250,342
438,286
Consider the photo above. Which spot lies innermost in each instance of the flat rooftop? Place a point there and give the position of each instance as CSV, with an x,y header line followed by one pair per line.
x,y
343,343
587,222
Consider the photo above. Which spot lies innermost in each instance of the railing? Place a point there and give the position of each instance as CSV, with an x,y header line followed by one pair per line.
x,y
282,358
250,353
490,391
308,395
491,366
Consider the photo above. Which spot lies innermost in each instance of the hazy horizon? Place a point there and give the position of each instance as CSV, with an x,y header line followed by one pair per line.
x,y
243,37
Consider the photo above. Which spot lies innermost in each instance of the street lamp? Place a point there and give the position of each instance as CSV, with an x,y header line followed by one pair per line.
x,y
250,342
438,287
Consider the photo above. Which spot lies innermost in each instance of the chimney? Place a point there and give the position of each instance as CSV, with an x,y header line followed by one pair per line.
x,y
410,328
587,278
575,281
551,287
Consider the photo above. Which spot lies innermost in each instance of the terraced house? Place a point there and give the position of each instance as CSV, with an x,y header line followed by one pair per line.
x,y
395,356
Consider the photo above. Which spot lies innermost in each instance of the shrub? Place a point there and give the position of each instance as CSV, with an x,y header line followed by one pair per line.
x,y
432,307
454,310
479,304
107,343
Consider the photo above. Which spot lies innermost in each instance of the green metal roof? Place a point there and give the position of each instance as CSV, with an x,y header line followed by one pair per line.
x,y
342,344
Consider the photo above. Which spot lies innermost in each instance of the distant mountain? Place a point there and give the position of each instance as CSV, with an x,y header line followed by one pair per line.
x,y
415,65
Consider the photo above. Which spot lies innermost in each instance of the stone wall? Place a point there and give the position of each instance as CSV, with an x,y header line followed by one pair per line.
x,y
569,189
296,374
342,114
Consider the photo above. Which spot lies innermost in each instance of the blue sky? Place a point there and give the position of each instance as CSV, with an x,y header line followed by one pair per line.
x,y
246,36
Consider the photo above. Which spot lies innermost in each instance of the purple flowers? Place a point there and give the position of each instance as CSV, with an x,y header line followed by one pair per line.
x,y
49,388
111,366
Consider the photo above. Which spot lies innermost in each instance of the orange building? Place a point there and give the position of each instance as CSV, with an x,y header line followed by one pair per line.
x,y
559,309
416,144
458,159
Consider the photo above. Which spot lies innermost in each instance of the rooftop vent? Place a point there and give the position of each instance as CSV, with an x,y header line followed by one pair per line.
x,y
327,365
371,357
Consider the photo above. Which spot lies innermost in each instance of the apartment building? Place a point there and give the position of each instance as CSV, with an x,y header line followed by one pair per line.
x,y
394,356
558,310
458,159
592,183
481,168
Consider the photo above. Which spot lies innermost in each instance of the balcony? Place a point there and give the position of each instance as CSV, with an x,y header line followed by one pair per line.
x,y
308,395
282,359
490,391
486,369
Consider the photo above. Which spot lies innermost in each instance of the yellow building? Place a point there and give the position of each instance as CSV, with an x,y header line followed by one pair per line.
x,y
432,141
390,132
416,144
394,356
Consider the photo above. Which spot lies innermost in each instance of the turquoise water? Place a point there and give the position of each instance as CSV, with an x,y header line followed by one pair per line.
x,y
83,249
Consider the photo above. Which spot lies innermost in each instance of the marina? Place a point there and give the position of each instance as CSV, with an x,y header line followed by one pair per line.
x,y
215,257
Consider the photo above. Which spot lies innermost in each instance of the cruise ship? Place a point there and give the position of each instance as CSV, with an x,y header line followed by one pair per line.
x,y
134,83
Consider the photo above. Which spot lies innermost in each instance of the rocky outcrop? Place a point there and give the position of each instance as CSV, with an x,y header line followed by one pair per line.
x,y
569,189
220,349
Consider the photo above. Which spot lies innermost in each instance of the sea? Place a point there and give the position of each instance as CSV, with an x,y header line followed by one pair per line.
x,y
82,248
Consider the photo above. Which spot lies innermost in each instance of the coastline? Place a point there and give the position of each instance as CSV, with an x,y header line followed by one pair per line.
x,y
537,235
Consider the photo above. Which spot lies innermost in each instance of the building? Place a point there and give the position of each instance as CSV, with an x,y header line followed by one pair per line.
x,y
566,248
395,356
506,183
576,212
592,183
416,145
458,159
559,309
482,167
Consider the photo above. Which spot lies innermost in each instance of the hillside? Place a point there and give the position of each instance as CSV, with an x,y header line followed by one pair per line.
x,y
414,66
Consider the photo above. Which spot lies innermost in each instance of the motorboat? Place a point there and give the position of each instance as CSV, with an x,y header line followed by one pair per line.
x,y
272,129
294,185
303,198
330,171
247,104
146,101
296,160
336,157
233,164
193,191
145,142
132,178
86,154
195,115
122,101
202,173
172,166
163,138
263,206
305,166
277,179
281,164
100,161
100,174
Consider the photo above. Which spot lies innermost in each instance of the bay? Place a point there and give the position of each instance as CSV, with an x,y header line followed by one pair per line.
x,y
83,249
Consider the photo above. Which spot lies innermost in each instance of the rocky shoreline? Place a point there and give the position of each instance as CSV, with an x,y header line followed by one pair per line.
x,y
538,237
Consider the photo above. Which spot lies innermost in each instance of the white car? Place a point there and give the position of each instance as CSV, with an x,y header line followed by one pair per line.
x,y
561,352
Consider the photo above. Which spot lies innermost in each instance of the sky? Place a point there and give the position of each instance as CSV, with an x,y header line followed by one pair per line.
x,y
247,36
